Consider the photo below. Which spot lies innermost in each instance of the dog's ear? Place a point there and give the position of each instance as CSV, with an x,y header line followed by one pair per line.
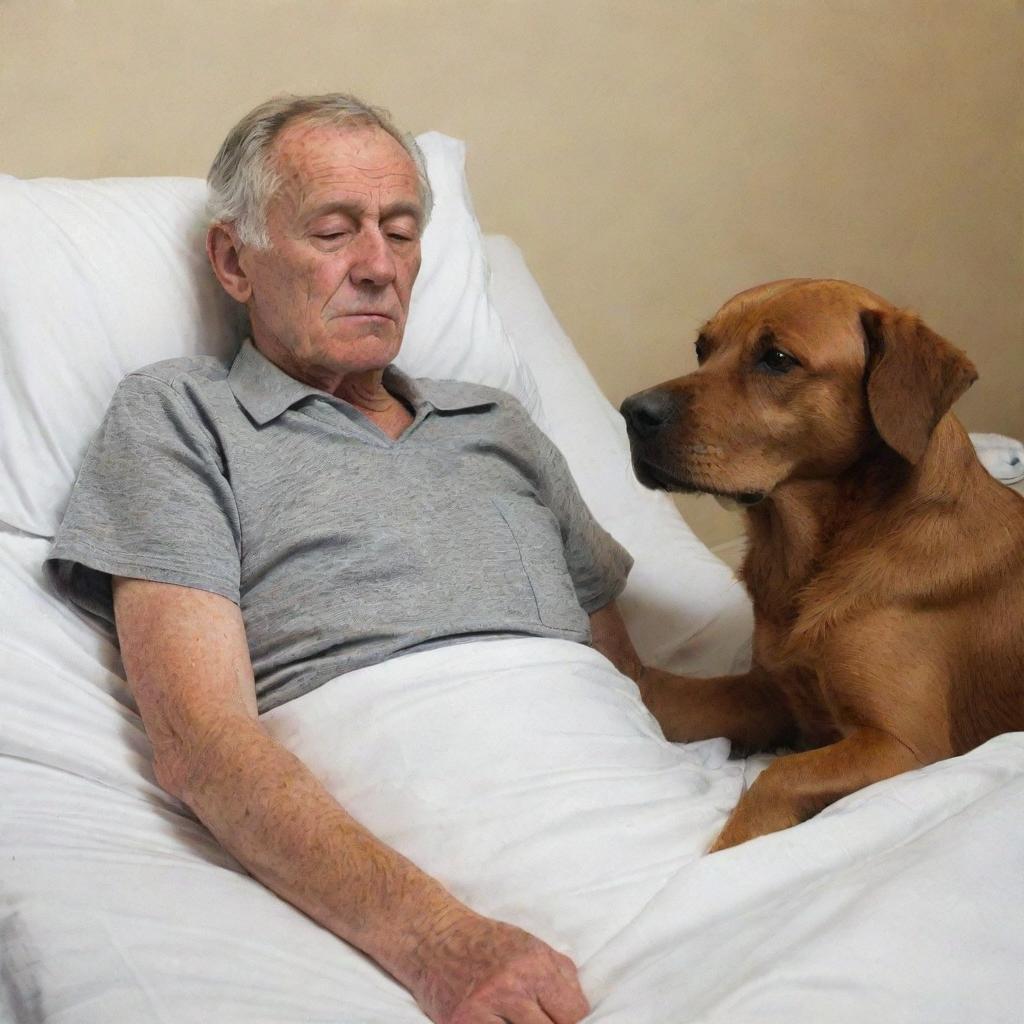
x,y
913,377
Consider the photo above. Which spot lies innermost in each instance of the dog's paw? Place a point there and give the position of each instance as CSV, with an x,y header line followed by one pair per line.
x,y
751,819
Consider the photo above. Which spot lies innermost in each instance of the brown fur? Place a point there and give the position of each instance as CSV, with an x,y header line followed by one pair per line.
x,y
885,565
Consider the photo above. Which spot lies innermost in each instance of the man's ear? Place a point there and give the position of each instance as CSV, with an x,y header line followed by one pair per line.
x,y
222,247
913,377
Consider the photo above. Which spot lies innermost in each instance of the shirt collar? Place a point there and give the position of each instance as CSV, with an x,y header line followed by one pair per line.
x,y
443,395
262,388
265,391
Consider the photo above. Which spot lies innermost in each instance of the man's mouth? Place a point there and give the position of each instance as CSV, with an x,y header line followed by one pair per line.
x,y
655,477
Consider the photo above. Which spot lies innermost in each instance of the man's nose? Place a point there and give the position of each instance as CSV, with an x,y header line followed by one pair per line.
x,y
647,412
374,262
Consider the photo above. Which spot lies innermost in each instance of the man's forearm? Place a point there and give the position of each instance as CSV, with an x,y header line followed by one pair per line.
x,y
269,811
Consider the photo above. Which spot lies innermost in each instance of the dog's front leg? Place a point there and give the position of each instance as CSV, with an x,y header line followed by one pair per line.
x,y
794,788
748,709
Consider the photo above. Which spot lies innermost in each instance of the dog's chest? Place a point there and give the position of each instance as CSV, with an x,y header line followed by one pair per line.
x,y
797,666
778,607
781,651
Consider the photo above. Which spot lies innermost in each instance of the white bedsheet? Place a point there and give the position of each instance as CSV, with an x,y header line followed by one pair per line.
x,y
527,775
535,784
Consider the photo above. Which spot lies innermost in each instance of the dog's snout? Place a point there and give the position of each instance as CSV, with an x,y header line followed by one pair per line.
x,y
647,412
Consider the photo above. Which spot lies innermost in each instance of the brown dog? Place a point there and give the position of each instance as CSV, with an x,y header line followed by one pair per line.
x,y
885,565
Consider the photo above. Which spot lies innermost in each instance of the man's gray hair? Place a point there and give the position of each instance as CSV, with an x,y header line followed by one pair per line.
x,y
244,176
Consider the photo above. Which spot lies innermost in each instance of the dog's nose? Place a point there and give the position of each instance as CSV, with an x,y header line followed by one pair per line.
x,y
647,412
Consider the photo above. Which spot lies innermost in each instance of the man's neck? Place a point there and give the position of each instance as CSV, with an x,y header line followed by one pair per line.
x,y
364,390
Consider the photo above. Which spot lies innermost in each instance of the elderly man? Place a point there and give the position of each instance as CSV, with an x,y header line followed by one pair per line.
x,y
262,527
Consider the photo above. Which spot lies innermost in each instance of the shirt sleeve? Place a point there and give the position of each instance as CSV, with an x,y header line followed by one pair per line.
x,y
598,564
152,501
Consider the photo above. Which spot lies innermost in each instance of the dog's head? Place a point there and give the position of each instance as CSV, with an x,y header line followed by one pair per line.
x,y
795,380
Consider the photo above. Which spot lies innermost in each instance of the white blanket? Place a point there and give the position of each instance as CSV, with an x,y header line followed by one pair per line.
x,y
528,776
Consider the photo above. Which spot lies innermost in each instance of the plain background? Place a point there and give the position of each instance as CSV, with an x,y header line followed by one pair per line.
x,y
650,157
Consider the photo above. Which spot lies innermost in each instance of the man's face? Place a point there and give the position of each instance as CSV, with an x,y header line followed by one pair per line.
x,y
330,295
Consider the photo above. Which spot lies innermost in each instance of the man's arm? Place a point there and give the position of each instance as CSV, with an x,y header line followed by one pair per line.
x,y
746,708
611,638
188,666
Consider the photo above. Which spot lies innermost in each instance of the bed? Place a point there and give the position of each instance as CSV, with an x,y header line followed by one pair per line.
x,y
526,773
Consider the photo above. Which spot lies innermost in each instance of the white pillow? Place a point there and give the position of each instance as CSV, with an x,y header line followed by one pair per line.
x,y
454,330
98,278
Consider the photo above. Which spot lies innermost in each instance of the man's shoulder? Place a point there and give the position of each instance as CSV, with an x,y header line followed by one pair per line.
x,y
178,374
184,395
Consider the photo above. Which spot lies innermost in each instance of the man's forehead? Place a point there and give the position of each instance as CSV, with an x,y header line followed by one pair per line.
x,y
316,162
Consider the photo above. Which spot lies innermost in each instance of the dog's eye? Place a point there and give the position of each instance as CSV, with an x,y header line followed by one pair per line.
x,y
778,361
701,349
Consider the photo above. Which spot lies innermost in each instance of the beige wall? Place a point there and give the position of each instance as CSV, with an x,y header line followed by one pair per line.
x,y
651,157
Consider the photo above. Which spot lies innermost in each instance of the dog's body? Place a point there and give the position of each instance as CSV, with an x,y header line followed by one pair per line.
x,y
885,565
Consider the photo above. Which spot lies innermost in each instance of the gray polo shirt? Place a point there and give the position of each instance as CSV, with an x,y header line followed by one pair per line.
x,y
341,546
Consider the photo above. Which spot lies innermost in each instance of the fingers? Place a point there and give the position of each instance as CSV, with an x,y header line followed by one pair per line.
x,y
565,1008
483,972
554,1003
553,997
564,1003
527,1013
521,1013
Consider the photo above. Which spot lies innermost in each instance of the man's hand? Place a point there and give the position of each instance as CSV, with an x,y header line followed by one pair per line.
x,y
473,970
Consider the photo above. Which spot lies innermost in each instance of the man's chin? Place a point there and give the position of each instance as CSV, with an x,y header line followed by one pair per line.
x,y
362,351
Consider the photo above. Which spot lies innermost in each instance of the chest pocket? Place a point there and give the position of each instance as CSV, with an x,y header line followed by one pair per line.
x,y
539,540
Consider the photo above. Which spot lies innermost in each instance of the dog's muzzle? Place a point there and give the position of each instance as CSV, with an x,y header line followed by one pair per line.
x,y
648,412
649,417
